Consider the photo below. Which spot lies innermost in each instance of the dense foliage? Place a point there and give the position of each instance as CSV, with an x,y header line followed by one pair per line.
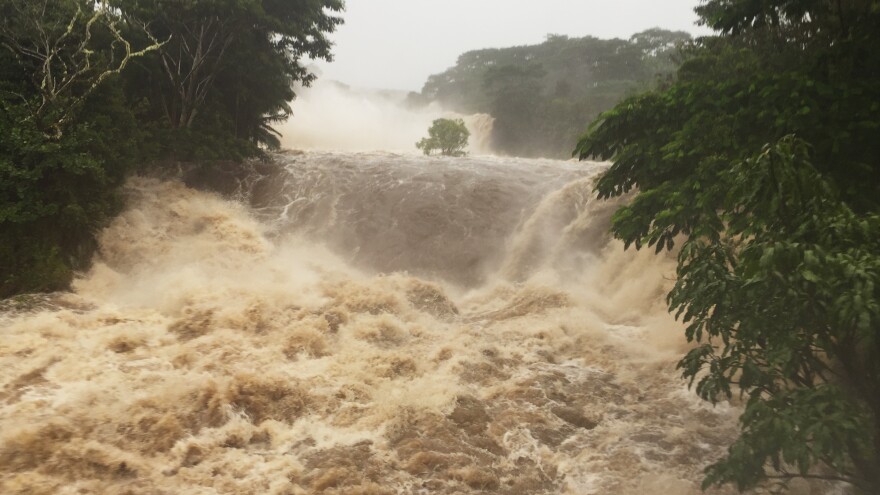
x,y
761,160
225,69
90,89
543,97
448,136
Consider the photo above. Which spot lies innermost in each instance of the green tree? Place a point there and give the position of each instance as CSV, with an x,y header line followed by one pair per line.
x,y
449,137
65,51
90,89
226,69
761,160
516,106
67,137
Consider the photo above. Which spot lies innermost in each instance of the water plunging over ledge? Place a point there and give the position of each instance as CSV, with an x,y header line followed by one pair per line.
x,y
367,323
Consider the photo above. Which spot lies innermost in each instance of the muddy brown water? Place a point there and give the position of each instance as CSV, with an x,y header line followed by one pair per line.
x,y
357,324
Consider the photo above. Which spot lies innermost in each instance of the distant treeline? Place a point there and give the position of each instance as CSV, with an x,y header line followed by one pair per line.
x,y
544,96
91,89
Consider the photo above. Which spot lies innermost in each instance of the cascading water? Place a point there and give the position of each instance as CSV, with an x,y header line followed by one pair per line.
x,y
359,324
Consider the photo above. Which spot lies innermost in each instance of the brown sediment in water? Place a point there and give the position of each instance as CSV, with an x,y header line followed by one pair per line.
x,y
204,353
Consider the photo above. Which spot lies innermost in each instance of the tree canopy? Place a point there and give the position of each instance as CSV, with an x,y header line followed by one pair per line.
x,y
761,161
448,136
543,96
89,90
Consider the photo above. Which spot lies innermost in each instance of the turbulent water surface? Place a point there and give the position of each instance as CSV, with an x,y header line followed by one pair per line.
x,y
358,324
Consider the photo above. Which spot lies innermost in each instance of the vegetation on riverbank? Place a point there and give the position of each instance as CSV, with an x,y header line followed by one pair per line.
x,y
543,96
761,161
88,90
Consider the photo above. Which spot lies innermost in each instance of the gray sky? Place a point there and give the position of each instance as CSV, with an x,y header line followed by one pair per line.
x,y
397,44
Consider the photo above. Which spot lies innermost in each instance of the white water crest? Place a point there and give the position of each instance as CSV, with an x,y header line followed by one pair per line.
x,y
358,323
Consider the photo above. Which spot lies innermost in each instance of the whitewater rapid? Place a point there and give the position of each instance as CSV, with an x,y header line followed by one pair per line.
x,y
349,323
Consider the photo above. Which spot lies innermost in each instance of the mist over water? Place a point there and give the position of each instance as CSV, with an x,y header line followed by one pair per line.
x,y
333,116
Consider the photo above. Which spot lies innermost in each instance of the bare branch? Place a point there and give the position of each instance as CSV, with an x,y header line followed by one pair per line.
x,y
68,72
193,64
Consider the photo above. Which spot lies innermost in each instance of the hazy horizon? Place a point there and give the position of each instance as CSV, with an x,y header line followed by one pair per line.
x,y
397,44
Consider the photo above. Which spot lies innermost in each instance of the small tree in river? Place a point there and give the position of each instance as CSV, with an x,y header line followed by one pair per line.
x,y
449,137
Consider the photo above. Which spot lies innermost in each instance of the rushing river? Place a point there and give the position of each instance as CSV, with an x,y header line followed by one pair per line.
x,y
357,324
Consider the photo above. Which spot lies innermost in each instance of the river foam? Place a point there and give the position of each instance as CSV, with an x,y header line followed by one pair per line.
x,y
284,345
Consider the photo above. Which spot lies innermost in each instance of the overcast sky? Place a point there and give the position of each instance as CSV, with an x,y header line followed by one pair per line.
x,y
397,44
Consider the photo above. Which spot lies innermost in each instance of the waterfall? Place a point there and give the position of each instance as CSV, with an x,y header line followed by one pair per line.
x,y
358,323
